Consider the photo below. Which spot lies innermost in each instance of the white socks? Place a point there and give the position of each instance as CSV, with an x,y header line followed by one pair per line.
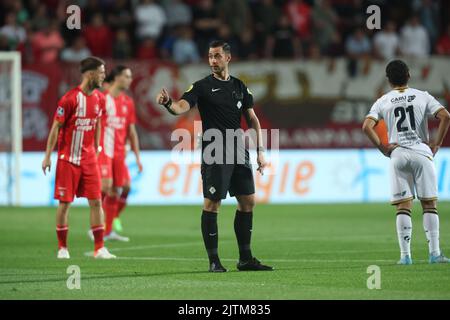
x,y
431,227
404,232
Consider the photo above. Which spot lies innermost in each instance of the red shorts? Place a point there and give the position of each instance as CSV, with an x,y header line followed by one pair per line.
x,y
121,175
115,169
82,181
105,166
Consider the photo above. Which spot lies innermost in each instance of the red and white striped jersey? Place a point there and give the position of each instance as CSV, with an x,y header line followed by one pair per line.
x,y
79,114
120,114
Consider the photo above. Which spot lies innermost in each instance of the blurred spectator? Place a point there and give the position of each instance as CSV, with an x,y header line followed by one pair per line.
x,y
236,14
184,48
414,41
26,48
47,43
324,23
122,48
150,18
13,31
4,43
224,33
98,36
147,50
429,17
299,14
267,15
206,23
40,18
314,52
351,14
77,51
247,45
358,49
90,9
358,44
443,45
21,13
283,43
166,45
386,42
119,16
177,13
336,47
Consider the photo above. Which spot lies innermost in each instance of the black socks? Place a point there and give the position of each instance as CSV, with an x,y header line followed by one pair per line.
x,y
243,224
210,234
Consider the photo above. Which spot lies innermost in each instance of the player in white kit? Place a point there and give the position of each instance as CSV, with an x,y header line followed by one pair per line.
x,y
405,111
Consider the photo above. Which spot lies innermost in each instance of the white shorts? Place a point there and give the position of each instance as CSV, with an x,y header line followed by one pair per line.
x,y
412,171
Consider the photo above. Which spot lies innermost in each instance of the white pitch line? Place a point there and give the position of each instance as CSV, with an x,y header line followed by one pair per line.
x,y
153,246
271,260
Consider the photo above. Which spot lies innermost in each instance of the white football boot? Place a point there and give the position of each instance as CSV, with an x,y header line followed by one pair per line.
x,y
63,253
103,253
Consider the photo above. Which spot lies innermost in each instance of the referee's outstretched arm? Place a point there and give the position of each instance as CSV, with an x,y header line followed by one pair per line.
x,y
174,107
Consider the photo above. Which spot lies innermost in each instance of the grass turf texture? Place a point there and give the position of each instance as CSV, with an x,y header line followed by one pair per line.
x,y
319,252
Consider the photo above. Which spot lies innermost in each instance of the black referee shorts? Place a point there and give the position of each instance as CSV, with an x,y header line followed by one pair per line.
x,y
219,179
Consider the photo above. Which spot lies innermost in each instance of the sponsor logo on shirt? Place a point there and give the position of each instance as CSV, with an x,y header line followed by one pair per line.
x,y
84,124
398,99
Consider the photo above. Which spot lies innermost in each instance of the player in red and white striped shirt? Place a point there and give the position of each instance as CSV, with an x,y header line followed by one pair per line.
x,y
118,125
76,128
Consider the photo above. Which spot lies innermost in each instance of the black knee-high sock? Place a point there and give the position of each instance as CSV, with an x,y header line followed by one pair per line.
x,y
243,224
210,234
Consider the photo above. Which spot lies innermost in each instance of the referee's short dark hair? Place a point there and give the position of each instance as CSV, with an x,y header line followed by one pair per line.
x,y
220,43
117,70
397,72
90,63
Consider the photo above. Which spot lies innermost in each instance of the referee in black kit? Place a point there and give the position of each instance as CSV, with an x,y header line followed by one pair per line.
x,y
221,100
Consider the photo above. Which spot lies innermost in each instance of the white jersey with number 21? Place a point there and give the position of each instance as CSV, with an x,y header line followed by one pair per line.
x,y
405,112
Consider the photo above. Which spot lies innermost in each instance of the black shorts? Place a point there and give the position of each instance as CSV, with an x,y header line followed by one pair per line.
x,y
219,179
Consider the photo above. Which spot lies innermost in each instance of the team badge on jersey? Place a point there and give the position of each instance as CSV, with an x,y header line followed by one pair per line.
x,y
124,109
60,111
411,98
239,104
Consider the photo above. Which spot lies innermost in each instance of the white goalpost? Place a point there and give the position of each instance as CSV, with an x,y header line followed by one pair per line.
x,y
10,127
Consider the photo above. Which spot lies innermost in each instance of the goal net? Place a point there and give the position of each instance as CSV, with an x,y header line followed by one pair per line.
x,y
10,127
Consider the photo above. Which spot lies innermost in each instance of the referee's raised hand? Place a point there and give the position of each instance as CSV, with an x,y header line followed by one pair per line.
x,y
163,97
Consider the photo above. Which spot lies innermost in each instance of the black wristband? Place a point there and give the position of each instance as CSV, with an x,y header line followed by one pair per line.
x,y
260,149
167,105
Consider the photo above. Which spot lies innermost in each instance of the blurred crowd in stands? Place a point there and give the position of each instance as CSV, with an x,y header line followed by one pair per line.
x,y
179,30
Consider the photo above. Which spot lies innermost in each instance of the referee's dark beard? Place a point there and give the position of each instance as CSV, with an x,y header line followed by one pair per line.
x,y
217,69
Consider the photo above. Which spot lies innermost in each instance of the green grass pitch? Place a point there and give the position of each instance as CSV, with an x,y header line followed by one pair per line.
x,y
319,252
